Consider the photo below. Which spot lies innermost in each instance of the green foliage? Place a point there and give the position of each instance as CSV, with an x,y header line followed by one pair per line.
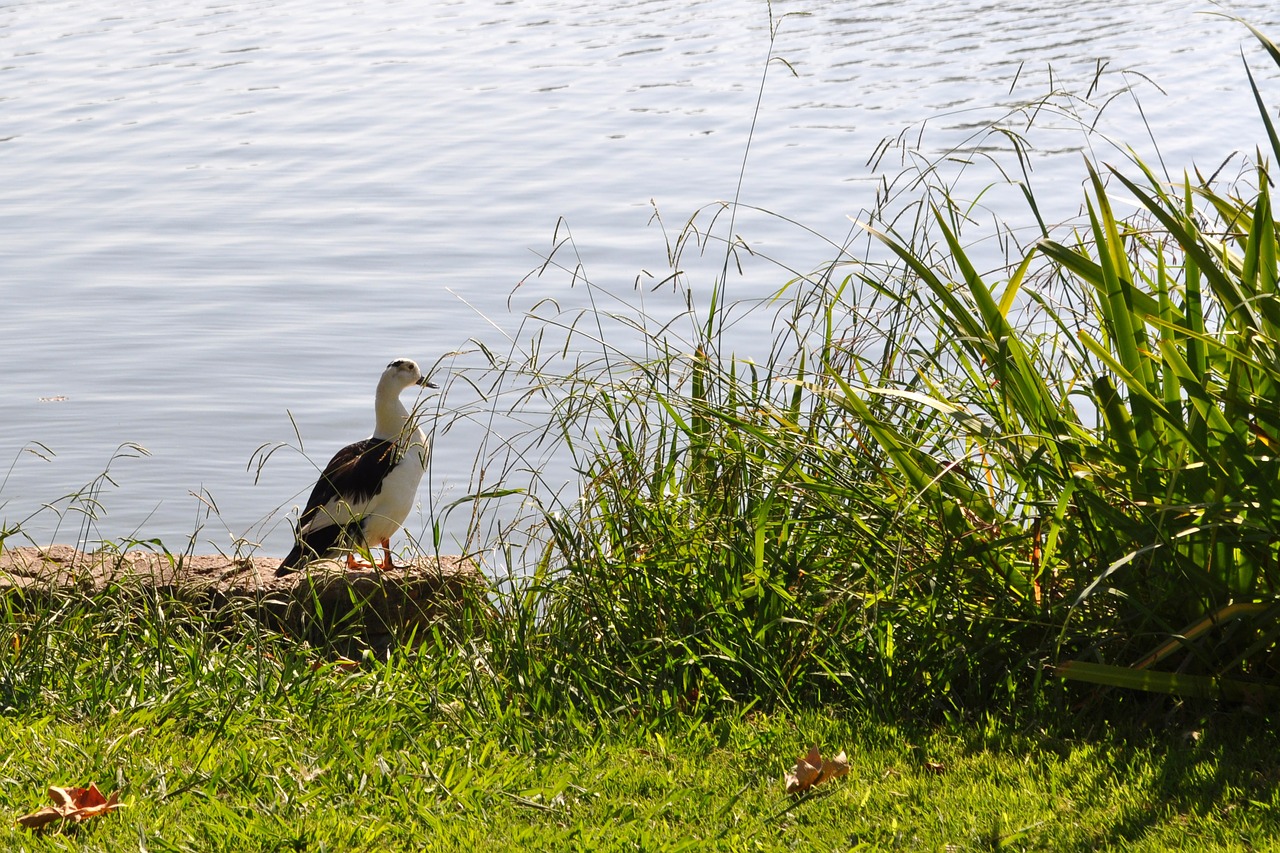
x,y
916,501
760,533
218,735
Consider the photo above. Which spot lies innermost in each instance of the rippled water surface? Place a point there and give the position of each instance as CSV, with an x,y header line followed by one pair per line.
x,y
219,219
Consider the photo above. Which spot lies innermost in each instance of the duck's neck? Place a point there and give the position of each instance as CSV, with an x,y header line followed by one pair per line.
x,y
390,415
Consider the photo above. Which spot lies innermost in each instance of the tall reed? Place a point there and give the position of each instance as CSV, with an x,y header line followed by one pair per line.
x,y
916,502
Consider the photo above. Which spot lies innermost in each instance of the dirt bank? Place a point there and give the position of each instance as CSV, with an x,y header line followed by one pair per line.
x,y
374,606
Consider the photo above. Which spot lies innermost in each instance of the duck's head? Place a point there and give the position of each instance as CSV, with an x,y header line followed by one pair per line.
x,y
402,373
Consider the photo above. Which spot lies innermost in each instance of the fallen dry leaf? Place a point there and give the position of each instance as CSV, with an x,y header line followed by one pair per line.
x,y
73,804
806,770
834,768
89,802
811,770
40,819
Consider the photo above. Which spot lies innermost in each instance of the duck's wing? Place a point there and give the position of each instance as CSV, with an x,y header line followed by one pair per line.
x,y
347,484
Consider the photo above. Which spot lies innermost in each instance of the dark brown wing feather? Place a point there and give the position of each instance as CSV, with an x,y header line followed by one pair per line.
x,y
354,474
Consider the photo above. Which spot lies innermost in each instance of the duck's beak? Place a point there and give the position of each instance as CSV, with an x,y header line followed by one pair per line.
x,y
426,383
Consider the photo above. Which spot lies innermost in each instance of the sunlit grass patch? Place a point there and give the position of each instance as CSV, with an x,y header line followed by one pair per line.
x,y
393,755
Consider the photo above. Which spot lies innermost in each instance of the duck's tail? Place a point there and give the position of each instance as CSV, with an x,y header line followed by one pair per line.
x,y
313,546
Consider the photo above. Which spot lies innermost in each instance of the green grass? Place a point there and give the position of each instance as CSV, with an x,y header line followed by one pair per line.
x,y
247,744
944,474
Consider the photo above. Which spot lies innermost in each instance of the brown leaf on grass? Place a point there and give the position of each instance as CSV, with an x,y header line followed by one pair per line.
x,y
806,770
89,802
73,804
811,770
834,768
40,819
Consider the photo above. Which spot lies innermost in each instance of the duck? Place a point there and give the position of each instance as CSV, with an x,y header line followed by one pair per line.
x,y
364,494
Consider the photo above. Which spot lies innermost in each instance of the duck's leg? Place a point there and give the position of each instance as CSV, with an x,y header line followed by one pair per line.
x,y
387,565
354,538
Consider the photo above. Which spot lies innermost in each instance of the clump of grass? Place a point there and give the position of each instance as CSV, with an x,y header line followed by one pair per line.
x,y
759,533
915,503
1157,519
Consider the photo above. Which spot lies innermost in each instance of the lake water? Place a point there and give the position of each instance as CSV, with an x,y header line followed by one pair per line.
x,y
222,218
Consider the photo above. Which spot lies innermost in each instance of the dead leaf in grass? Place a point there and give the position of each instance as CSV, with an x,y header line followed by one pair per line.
x,y
811,770
806,770
40,819
73,804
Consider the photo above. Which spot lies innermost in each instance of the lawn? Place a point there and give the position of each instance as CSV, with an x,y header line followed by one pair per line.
x,y
238,750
